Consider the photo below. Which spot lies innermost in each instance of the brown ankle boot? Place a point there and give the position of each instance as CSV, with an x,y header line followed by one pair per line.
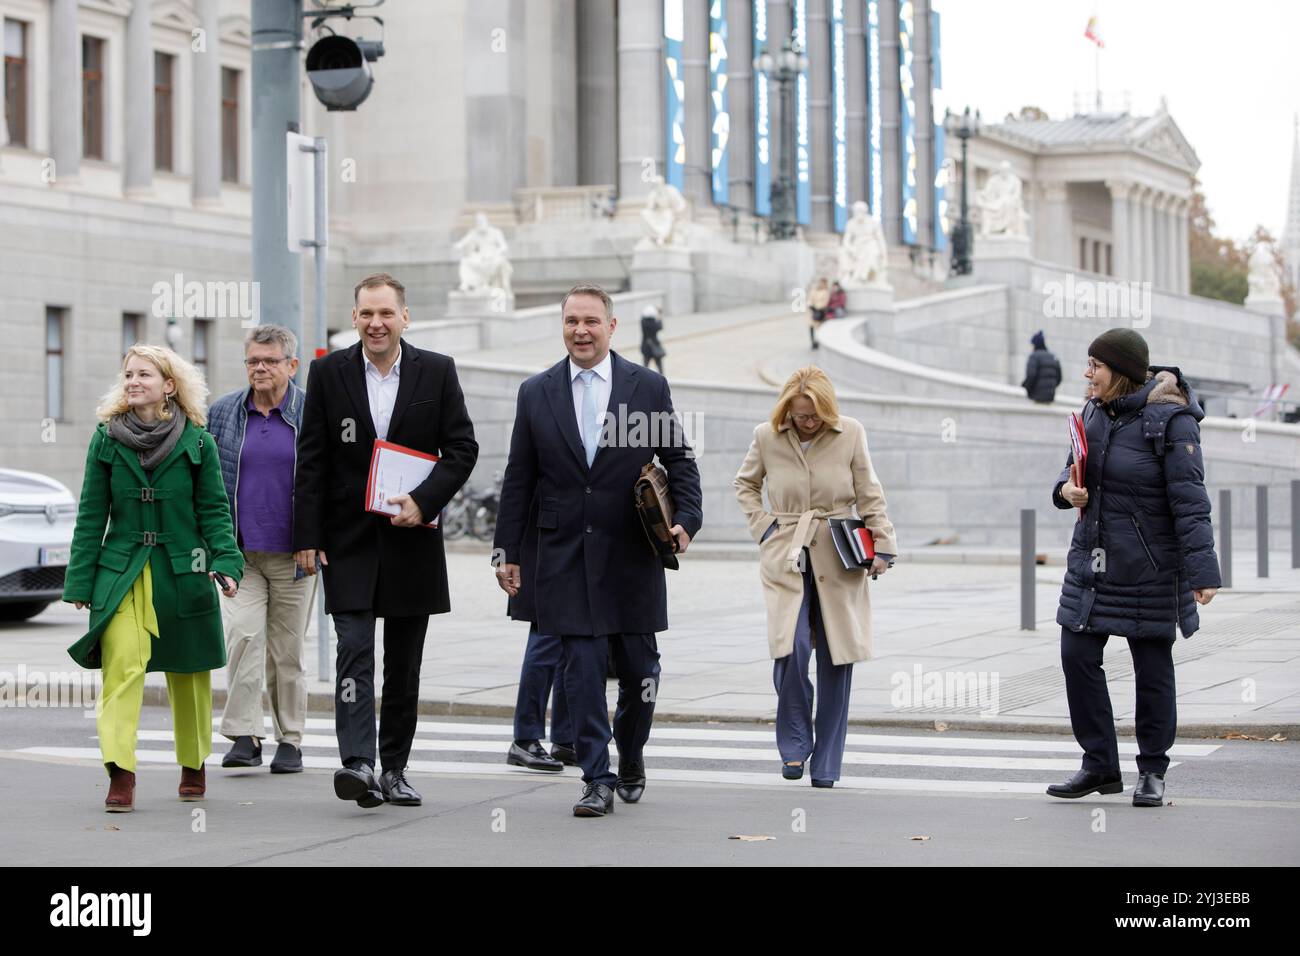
x,y
193,784
121,790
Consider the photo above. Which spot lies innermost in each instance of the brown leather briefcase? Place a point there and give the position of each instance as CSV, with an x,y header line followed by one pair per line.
x,y
654,505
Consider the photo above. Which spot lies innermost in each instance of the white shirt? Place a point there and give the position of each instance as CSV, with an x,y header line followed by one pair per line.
x,y
600,385
382,392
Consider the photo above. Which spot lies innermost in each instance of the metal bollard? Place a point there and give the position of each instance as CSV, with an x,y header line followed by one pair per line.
x,y
1261,531
1027,565
1225,538
1295,523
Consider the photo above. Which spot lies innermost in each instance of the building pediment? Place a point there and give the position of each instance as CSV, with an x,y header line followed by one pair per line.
x,y
1166,141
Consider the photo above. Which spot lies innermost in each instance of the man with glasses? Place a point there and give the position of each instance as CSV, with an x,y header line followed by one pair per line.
x,y
256,430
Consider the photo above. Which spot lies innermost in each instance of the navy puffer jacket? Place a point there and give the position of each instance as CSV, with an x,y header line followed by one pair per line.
x,y
1145,542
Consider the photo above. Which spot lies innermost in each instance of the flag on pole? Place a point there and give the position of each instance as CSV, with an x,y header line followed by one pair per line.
x,y
1091,32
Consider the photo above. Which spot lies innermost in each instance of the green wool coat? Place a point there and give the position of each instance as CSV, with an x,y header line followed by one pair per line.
x,y
180,523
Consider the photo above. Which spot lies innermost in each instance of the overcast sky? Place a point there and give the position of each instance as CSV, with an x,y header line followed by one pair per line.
x,y
1230,72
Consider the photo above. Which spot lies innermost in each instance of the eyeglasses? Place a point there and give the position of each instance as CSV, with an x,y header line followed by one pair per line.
x,y
268,362
1093,365
805,418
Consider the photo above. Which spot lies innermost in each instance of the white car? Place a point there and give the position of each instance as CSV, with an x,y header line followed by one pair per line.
x,y
37,515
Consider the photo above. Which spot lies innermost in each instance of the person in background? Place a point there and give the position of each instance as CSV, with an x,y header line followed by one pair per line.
x,y
541,676
819,298
256,430
1042,372
837,303
652,349
153,481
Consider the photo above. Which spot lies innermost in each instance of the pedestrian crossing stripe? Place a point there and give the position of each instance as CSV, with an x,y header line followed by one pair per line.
x,y
676,745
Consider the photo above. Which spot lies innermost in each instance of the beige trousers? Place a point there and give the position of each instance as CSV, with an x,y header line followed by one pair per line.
x,y
266,624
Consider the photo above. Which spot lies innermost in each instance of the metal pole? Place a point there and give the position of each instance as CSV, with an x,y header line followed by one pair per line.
x,y
277,43
1027,565
321,245
1225,537
1295,523
1261,531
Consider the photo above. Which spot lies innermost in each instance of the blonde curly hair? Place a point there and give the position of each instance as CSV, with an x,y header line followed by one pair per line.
x,y
191,393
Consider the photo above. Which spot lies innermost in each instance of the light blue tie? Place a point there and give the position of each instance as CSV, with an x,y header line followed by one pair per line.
x,y
590,430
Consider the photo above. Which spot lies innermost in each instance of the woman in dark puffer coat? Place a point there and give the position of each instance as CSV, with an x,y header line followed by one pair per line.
x,y
1141,560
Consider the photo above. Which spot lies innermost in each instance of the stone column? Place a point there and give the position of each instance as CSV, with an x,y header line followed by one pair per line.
x,y
552,65
740,92
1182,278
1135,246
697,182
137,173
65,90
1058,246
597,94
207,108
1119,227
496,96
820,144
921,67
890,148
1148,200
855,94
640,96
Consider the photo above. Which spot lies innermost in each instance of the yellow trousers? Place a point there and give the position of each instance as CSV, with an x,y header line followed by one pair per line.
x,y
125,648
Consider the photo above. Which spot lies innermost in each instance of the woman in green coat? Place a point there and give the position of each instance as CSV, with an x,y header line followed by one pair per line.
x,y
154,481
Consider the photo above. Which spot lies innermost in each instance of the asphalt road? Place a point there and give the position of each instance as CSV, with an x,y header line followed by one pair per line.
x,y
1231,803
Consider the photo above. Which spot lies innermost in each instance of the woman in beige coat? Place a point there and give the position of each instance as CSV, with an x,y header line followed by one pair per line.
x,y
817,467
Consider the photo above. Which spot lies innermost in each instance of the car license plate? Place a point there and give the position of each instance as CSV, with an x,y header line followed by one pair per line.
x,y
54,556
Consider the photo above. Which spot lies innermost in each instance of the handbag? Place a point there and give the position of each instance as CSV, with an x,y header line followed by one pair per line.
x,y
654,506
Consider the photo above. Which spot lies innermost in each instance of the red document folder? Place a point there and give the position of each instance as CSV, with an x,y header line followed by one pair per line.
x,y
1078,445
405,473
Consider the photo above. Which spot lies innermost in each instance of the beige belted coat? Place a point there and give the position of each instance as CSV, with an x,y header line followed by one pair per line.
x,y
831,479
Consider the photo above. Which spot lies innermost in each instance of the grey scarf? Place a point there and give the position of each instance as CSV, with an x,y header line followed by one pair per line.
x,y
151,441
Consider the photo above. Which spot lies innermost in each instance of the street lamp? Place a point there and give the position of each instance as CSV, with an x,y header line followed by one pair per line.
x,y
963,127
784,67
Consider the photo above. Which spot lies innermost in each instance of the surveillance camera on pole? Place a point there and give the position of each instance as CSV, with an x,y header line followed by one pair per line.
x,y
339,70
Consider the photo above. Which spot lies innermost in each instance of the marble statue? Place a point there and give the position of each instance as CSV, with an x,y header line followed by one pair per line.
x,y
484,267
1262,275
863,257
999,202
663,214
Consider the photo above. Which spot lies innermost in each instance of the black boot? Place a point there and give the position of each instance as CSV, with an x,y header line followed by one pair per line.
x,y
1150,790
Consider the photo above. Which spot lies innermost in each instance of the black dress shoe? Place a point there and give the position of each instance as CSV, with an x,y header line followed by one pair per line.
x,y
565,754
631,781
597,800
1150,790
247,752
397,790
1085,782
359,785
792,773
288,759
531,755
823,784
